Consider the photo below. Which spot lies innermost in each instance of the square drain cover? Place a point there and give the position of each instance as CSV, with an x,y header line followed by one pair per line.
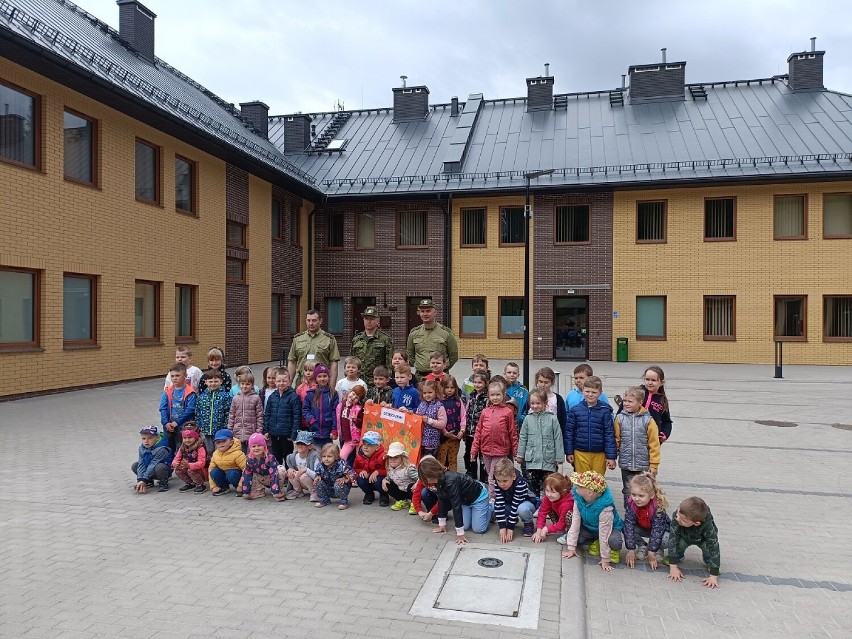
x,y
486,584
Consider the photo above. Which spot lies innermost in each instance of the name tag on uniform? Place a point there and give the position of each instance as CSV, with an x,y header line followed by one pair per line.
x,y
311,356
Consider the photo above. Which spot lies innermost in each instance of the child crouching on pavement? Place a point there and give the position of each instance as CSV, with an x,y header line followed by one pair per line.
x,y
692,525
557,505
466,497
594,519
645,516
154,462
401,476
299,467
261,471
333,477
512,501
370,468
190,463
227,463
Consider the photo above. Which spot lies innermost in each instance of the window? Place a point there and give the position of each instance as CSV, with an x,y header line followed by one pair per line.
x,y
294,314
791,220
147,172
334,231
147,312
573,224
294,226
236,234
365,230
185,184
472,316
650,221
278,306
790,318
720,317
651,317
235,270
79,148
837,215
334,312
184,313
719,219
19,308
19,126
837,314
277,220
79,309
511,317
473,227
512,225
412,229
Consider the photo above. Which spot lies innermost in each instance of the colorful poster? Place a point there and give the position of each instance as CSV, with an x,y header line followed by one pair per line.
x,y
395,426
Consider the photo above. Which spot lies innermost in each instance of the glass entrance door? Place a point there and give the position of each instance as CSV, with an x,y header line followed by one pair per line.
x,y
570,327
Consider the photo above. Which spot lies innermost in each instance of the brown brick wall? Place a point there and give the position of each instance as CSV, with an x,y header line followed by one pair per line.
x,y
236,295
585,268
287,266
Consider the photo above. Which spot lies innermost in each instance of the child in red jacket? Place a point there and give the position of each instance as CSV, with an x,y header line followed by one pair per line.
x,y
496,433
557,505
370,468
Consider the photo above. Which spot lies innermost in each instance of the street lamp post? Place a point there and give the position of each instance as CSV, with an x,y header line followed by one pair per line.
x,y
532,175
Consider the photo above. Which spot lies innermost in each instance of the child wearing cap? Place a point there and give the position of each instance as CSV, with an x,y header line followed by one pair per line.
x,y
594,520
190,463
227,463
370,468
333,477
401,476
299,467
153,462
320,408
261,471
693,525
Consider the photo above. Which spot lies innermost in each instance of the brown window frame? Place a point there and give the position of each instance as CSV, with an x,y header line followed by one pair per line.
x,y
158,298
588,207
192,338
500,333
665,238
328,315
282,301
525,227
398,231
93,153
358,215
35,343
825,336
784,238
37,132
480,209
295,225
845,236
719,338
791,338
295,314
484,332
244,233
93,313
731,238
193,190
158,173
654,338
243,267
328,218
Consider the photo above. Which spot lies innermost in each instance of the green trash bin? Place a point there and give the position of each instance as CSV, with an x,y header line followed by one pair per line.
x,y
621,349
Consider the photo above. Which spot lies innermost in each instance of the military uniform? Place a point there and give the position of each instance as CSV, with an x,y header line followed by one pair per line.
x,y
372,351
422,342
322,345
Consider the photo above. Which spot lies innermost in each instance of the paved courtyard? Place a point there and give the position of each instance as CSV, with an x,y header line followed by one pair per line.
x,y
82,556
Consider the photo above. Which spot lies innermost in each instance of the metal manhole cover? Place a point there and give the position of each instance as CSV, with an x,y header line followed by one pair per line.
x,y
772,422
490,562
842,426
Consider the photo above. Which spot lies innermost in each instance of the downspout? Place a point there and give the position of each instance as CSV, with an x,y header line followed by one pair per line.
x,y
448,260
310,290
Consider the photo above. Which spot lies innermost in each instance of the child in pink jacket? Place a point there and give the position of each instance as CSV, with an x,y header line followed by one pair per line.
x,y
496,433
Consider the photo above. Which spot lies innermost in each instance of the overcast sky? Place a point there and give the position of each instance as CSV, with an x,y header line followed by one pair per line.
x,y
298,56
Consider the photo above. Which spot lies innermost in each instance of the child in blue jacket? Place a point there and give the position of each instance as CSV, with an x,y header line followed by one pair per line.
x,y
282,416
590,432
320,409
154,462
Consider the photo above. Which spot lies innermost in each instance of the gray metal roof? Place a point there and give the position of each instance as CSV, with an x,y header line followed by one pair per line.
x,y
62,28
744,129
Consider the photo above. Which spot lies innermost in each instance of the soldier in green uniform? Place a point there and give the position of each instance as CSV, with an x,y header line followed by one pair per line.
x,y
372,346
313,344
428,338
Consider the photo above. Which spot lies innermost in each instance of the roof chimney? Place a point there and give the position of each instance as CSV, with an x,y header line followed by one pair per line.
x,y
257,113
661,82
136,27
805,69
540,91
297,132
410,103
454,106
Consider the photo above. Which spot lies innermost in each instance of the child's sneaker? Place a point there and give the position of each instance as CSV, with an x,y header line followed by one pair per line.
x,y
595,548
201,488
529,528
641,552
293,494
614,556
343,505
314,497
164,486
384,501
399,505
562,540
186,488
661,559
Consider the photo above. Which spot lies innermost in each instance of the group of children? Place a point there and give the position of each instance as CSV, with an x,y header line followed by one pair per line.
x,y
307,441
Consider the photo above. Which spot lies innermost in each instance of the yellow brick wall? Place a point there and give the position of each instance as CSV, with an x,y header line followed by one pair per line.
x,y
754,268
491,272
259,276
57,226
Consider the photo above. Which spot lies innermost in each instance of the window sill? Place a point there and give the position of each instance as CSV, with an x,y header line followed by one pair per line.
x,y
405,247
29,167
80,347
783,338
186,213
185,340
718,338
473,335
510,336
836,340
150,202
149,343
21,349
650,338
88,185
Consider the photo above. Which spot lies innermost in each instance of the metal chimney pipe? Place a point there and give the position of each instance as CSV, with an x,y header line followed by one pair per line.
x,y
403,78
664,54
623,81
813,44
546,69
454,106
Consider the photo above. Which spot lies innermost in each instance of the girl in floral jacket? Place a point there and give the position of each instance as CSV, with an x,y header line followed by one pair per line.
x,y
261,471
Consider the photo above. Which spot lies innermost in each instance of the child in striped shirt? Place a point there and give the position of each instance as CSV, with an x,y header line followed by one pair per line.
x,y
512,501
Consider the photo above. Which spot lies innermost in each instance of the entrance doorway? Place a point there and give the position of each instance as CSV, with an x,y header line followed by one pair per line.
x,y
571,327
